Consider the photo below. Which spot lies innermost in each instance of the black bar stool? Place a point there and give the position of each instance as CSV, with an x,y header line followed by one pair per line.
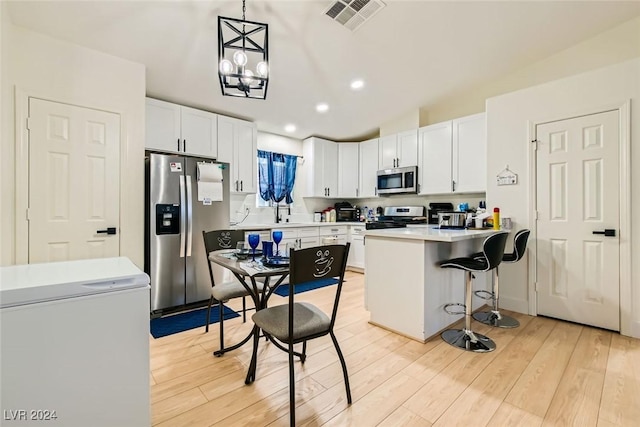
x,y
492,252
493,317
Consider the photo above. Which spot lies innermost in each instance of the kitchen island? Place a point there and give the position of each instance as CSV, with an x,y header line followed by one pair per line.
x,y
405,289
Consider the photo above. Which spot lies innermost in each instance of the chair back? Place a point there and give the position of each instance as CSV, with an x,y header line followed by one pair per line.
x,y
493,249
220,239
520,244
317,263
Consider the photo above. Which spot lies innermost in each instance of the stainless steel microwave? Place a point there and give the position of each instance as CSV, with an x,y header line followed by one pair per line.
x,y
398,180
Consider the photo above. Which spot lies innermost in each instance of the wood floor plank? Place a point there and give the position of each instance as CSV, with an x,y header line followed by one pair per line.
x,y
577,399
542,376
481,400
620,404
177,405
402,417
509,415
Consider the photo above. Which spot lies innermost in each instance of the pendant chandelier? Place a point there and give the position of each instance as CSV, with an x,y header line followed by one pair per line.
x,y
243,57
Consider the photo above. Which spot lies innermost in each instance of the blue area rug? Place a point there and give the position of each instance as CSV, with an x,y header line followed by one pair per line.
x,y
283,290
163,326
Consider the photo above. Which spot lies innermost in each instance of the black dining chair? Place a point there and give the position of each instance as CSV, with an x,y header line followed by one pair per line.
x,y
299,322
466,338
225,291
494,317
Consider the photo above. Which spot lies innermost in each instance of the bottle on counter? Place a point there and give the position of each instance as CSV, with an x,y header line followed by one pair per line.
x,y
332,212
496,218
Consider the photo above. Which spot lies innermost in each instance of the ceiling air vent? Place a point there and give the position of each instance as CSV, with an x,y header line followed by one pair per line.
x,y
353,13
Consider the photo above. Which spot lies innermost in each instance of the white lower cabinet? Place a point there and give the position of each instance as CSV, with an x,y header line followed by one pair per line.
x,y
301,238
356,252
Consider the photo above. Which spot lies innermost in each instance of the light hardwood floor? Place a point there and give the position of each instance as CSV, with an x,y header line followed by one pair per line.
x,y
545,372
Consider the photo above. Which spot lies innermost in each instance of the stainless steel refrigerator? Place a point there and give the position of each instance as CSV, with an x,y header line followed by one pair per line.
x,y
174,251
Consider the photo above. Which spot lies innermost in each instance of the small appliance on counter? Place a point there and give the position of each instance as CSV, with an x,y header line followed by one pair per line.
x,y
345,212
436,208
454,220
399,217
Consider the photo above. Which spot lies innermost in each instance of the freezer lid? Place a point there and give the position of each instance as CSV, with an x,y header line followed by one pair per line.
x,y
33,283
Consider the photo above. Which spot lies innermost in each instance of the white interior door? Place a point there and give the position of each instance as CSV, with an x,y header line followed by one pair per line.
x,y
74,182
578,272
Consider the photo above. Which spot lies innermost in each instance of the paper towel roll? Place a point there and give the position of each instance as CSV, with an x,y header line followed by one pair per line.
x,y
209,182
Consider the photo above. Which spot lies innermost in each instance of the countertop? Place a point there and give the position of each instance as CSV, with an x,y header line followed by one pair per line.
x,y
280,225
428,233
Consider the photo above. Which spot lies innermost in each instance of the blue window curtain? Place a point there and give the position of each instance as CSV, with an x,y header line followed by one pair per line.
x,y
276,176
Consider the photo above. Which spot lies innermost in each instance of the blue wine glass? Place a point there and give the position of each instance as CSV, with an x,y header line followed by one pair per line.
x,y
254,239
277,238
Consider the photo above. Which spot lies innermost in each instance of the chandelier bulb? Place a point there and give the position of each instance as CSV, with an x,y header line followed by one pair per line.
x,y
262,68
240,58
226,67
247,77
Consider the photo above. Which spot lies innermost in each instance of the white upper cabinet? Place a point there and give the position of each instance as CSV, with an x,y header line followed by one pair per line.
x,y
368,182
398,150
453,156
237,145
470,154
348,171
435,151
178,129
321,167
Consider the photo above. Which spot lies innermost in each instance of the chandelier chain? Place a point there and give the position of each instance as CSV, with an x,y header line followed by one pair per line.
x,y
244,9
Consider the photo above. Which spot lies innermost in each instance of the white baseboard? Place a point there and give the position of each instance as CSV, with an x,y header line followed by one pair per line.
x,y
514,304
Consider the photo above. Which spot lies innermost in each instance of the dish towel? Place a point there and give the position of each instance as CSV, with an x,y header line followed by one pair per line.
x,y
209,182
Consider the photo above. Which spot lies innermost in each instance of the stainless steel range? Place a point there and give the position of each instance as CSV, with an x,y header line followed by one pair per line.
x,y
398,217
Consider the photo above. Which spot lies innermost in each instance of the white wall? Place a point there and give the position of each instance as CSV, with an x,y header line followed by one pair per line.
x,y
508,131
52,69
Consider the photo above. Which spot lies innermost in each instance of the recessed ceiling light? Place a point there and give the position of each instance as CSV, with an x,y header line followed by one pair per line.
x,y
290,128
357,84
322,107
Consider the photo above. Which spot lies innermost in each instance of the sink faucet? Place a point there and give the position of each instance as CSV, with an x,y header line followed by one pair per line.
x,y
278,218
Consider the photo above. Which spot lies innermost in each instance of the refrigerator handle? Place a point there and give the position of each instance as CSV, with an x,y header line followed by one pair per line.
x,y
190,216
183,216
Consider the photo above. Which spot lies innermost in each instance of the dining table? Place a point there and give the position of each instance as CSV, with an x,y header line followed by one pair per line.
x,y
248,272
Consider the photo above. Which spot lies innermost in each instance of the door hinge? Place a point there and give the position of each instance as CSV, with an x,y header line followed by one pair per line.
x,y
536,215
535,144
535,286
28,214
28,124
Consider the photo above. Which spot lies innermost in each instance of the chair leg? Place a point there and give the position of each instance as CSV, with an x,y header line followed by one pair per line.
x,y
344,366
304,352
221,316
244,309
206,327
493,317
292,390
466,339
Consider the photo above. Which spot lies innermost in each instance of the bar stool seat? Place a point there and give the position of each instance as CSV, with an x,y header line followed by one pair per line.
x,y
466,338
494,317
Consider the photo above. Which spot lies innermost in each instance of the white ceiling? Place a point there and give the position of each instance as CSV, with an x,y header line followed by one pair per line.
x,y
410,54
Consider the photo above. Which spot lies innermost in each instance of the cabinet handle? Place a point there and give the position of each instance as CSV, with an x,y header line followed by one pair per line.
x,y
394,162
453,186
356,192
241,185
184,145
236,185
329,191
178,144
398,162
375,191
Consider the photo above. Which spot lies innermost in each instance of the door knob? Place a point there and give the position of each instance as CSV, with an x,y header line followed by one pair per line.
x,y
609,232
109,230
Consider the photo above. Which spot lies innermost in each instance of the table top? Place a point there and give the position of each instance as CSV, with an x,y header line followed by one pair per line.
x,y
226,258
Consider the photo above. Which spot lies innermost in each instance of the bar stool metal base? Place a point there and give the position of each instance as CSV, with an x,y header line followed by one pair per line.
x,y
494,318
468,340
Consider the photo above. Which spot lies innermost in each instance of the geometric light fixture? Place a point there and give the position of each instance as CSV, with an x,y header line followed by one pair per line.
x,y
243,57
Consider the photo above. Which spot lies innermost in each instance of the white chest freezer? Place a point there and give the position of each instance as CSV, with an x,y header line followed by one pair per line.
x,y
74,344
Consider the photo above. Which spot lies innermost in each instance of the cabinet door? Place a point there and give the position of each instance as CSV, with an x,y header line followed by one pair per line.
x,y
348,154
313,151
469,154
435,151
225,141
407,148
356,252
199,132
330,168
162,126
367,186
308,242
387,152
245,156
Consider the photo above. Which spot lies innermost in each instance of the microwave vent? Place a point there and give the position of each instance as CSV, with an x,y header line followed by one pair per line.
x,y
353,13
